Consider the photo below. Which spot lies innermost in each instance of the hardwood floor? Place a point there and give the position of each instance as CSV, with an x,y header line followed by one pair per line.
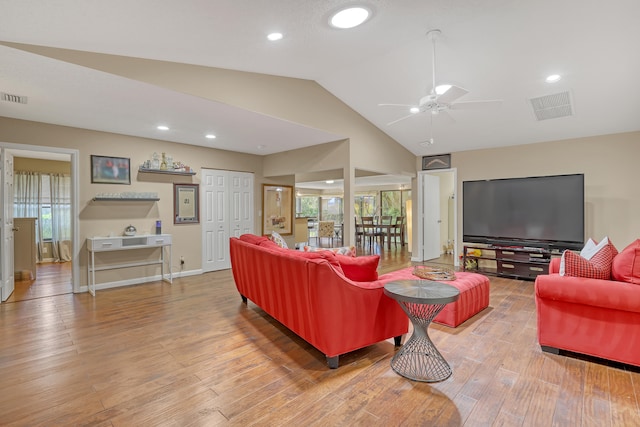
x,y
52,278
192,354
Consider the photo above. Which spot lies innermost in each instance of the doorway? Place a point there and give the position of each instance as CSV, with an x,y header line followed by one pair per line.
x,y
437,208
49,278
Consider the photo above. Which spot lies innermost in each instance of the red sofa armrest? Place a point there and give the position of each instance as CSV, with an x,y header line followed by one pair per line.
x,y
554,265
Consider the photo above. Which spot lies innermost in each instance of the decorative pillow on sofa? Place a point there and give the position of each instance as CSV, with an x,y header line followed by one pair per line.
x,y
345,250
361,268
278,240
626,265
252,238
328,255
598,266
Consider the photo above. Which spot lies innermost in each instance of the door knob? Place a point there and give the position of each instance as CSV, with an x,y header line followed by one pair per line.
x,y
15,229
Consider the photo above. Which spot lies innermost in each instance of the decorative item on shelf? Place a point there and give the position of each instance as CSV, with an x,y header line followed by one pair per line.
x,y
433,273
155,161
163,163
130,231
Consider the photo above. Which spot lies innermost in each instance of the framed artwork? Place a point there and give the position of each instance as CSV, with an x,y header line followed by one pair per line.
x,y
277,209
186,208
443,161
110,170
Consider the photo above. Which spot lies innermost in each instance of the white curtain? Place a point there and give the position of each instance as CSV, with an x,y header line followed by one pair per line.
x,y
26,202
29,199
60,216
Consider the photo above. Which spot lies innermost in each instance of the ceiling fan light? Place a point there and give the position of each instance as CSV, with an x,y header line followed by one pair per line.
x,y
441,89
350,17
553,78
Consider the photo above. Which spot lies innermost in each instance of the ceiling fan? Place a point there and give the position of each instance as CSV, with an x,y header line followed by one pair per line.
x,y
441,98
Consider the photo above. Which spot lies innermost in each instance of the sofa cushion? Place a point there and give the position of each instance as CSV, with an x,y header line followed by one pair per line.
x,y
326,255
344,250
253,239
279,240
597,267
267,243
361,268
626,265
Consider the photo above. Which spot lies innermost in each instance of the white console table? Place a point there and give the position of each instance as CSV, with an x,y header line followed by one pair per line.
x,y
121,243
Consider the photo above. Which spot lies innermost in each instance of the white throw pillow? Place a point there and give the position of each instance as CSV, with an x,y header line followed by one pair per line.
x,y
278,240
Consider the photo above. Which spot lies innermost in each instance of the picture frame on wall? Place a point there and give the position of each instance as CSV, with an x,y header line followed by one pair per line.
x,y
277,209
186,206
110,170
442,161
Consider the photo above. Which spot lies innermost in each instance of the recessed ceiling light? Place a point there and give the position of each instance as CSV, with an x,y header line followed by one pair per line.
x,y
163,127
553,78
414,110
349,18
210,136
440,89
329,181
275,36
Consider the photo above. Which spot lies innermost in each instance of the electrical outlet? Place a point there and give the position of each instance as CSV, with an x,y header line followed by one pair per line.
x,y
181,261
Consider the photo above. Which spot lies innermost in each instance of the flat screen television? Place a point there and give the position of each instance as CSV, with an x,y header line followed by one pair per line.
x,y
543,211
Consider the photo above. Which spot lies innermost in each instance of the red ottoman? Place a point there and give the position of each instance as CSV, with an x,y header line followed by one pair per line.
x,y
474,297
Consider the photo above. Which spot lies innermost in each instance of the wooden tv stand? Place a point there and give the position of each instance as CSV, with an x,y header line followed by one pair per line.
x,y
507,261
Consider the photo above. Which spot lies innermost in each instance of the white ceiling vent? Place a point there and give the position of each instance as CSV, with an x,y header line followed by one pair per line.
x,y
13,98
552,106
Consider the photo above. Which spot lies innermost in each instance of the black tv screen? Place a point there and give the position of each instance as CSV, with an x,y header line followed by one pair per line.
x,y
544,211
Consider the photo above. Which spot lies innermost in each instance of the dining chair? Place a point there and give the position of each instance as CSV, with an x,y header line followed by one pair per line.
x,y
398,230
381,232
325,229
368,229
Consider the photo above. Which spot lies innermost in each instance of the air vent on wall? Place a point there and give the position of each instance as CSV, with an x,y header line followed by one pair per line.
x,y
552,106
13,98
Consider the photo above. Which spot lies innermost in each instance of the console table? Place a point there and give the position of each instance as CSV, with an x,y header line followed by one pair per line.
x,y
122,243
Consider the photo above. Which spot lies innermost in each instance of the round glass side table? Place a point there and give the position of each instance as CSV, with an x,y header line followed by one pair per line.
x,y
419,359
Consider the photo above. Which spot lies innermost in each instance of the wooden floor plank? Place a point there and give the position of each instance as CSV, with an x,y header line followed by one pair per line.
x,y
192,354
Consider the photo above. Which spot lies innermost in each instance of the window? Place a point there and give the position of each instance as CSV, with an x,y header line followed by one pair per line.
x,y
332,209
308,206
365,205
45,208
393,202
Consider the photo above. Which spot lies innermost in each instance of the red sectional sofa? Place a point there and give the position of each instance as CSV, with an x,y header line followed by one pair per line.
x,y
309,293
590,316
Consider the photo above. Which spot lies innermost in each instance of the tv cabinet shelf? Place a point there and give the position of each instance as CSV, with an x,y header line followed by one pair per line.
x,y
515,262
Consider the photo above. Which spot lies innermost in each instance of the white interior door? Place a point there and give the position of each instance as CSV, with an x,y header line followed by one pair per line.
x,y
215,224
241,196
431,223
6,231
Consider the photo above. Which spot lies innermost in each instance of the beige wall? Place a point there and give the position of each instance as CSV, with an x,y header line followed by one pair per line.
x,y
103,218
609,164
39,165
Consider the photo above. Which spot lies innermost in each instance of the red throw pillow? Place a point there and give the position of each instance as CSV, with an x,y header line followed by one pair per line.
x,y
252,238
328,255
360,268
598,267
626,265
267,243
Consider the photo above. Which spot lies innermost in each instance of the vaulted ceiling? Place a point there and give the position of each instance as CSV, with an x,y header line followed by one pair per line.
x,y
495,49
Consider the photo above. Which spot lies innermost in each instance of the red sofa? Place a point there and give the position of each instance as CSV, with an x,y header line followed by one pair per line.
x,y
309,293
590,316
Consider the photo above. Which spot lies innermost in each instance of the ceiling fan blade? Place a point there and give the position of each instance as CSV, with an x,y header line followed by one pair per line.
x,y
476,105
444,115
400,119
452,94
396,105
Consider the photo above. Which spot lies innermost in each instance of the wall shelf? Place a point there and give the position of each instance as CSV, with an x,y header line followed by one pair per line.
x,y
166,172
125,199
